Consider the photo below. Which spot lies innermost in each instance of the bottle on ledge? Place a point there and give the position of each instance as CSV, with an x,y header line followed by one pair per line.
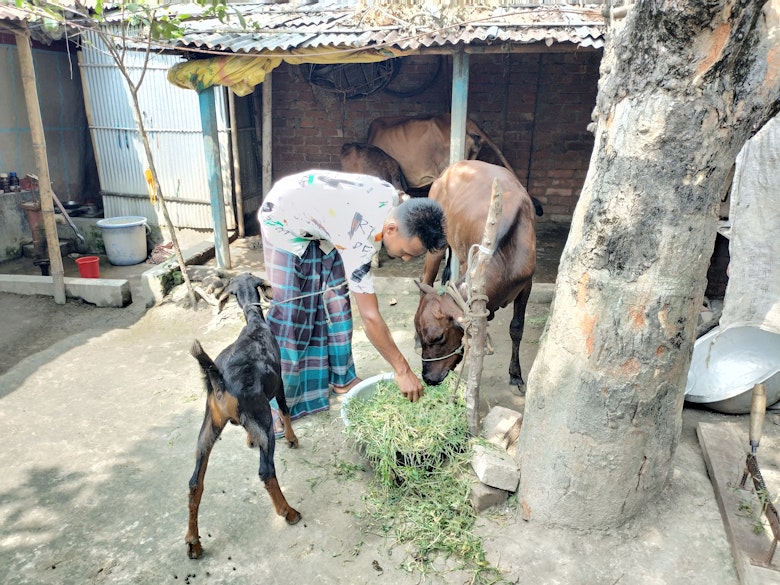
x,y
13,181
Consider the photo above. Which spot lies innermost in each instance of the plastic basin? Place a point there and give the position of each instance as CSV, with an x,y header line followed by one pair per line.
x,y
726,364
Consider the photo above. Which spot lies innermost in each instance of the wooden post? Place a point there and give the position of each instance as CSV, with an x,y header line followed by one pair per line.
x,y
236,164
257,116
477,299
42,162
267,134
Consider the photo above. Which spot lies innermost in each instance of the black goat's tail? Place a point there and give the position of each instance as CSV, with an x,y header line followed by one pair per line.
x,y
538,209
446,274
214,379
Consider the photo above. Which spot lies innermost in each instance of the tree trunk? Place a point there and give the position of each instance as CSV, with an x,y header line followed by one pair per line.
x,y
683,86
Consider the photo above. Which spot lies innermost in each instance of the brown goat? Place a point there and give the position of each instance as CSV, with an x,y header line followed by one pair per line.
x,y
239,385
368,159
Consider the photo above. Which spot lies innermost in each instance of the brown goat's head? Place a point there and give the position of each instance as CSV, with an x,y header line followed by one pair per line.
x,y
439,323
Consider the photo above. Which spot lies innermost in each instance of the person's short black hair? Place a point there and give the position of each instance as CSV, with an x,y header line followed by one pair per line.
x,y
423,218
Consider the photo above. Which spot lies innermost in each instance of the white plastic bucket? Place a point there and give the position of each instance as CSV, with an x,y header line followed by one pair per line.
x,y
124,239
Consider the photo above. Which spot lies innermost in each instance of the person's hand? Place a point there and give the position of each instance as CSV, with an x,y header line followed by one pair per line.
x,y
410,385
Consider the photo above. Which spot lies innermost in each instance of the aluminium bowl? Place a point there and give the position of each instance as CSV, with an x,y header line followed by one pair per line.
x,y
727,363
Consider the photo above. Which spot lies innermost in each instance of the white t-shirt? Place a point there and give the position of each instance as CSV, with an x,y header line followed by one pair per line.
x,y
345,211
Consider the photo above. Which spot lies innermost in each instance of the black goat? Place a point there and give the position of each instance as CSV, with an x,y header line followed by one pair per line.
x,y
239,384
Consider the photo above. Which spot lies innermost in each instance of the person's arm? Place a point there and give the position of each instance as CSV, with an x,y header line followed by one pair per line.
x,y
379,335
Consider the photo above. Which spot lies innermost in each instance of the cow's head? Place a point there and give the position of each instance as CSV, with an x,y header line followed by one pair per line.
x,y
439,323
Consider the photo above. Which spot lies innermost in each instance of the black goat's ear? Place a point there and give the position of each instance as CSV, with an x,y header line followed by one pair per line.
x,y
266,290
225,295
221,301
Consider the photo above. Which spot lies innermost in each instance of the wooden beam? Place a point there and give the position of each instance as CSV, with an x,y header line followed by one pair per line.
x,y
505,48
236,163
724,446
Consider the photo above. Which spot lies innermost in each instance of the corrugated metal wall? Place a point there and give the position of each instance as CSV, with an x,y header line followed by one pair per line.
x,y
171,116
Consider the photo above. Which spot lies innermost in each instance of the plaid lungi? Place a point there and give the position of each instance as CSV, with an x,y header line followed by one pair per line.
x,y
314,329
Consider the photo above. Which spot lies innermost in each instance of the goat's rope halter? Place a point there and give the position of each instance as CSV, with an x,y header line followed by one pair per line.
x,y
312,294
460,349
450,289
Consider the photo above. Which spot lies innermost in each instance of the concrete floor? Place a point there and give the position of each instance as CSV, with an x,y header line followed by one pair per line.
x,y
114,508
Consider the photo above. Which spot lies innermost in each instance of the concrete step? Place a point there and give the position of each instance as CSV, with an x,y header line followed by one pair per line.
x,y
66,247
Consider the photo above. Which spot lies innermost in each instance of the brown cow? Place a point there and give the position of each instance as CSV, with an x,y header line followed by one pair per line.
x,y
464,191
371,160
421,144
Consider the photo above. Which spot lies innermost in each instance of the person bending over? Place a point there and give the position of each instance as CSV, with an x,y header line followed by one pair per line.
x,y
320,230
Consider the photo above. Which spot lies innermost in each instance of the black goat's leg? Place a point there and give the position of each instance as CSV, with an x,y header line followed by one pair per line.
x,y
206,439
289,434
516,327
268,477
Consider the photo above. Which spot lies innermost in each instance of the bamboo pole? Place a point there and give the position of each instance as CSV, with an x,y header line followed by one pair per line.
x,y
477,299
42,163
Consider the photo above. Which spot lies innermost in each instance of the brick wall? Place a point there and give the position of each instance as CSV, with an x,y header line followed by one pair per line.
x,y
536,107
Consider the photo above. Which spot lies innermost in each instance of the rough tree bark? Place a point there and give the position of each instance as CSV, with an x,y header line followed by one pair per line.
x,y
476,330
683,85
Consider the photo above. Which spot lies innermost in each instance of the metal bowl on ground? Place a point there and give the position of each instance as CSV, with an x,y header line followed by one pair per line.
x,y
70,207
727,363
363,391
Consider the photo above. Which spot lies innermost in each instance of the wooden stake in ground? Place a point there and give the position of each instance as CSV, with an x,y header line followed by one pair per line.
x,y
476,330
41,161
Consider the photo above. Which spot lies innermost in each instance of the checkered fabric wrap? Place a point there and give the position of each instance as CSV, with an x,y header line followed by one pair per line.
x,y
314,330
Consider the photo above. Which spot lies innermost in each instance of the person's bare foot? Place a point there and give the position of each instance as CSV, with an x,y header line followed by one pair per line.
x,y
346,388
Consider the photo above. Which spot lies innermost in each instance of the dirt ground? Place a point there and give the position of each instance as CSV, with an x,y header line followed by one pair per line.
x,y
99,414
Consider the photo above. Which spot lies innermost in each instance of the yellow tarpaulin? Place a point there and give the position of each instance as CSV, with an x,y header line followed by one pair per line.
x,y
241,73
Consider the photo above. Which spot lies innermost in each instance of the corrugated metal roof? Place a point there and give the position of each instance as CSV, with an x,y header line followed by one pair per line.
x,y
282,27
31,18
12,13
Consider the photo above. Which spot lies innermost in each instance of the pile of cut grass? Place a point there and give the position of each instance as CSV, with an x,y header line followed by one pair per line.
x,y
405,440
420,454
